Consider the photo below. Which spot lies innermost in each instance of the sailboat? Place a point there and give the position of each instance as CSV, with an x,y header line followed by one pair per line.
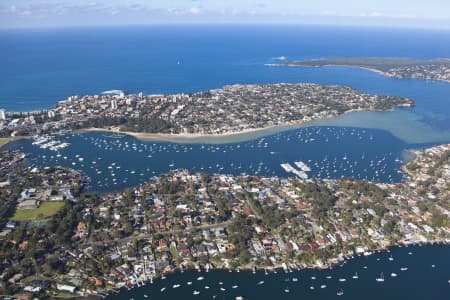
x,y
355,276
381,278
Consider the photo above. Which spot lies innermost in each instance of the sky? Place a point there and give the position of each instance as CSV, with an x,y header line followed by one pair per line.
x,y
68,13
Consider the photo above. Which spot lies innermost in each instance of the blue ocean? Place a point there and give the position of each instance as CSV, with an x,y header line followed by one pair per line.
x,y
41,67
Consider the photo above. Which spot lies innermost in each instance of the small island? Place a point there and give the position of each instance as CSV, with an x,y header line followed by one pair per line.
x,y
435,69
234,109
57,240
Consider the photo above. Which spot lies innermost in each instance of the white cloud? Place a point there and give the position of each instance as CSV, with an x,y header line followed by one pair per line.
x,y
194,10
12,9
26,13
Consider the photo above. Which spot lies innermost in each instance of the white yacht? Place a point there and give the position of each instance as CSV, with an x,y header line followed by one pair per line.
x,y
381,278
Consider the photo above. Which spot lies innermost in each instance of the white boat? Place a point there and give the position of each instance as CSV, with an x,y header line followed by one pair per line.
x,y
163,289
391,258
403,269
295,279
239,298
311,287
222,289
206,287
175,286
261,282
234,287
189,283
355,276
342,280
381,278
200,278
301,165
393,274
286,290
340,292
323,286
195,292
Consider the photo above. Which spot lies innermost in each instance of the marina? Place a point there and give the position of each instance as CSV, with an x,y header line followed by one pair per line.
x,y
113,162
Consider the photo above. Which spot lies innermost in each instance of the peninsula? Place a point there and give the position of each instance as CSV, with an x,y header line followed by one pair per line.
x,y
89,244
435,69
234,109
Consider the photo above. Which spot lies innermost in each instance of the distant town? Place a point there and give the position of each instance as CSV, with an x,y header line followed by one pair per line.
x,y
435,69
57,240
233,109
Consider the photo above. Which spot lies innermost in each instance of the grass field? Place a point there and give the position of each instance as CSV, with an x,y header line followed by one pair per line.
x,y
47,209
3,141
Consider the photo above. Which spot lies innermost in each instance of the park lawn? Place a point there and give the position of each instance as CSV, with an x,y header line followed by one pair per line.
x,y
44,211
3,141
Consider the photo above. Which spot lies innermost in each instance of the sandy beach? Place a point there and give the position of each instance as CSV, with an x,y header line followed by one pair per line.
x,y
222,138
191,138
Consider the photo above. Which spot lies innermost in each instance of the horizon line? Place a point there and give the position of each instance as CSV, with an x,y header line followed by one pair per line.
x,y
224,24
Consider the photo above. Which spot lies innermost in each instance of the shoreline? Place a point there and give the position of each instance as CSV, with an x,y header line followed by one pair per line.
x,y
198,138
353,66
4,142
285,267
331,65
12,139
227,137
